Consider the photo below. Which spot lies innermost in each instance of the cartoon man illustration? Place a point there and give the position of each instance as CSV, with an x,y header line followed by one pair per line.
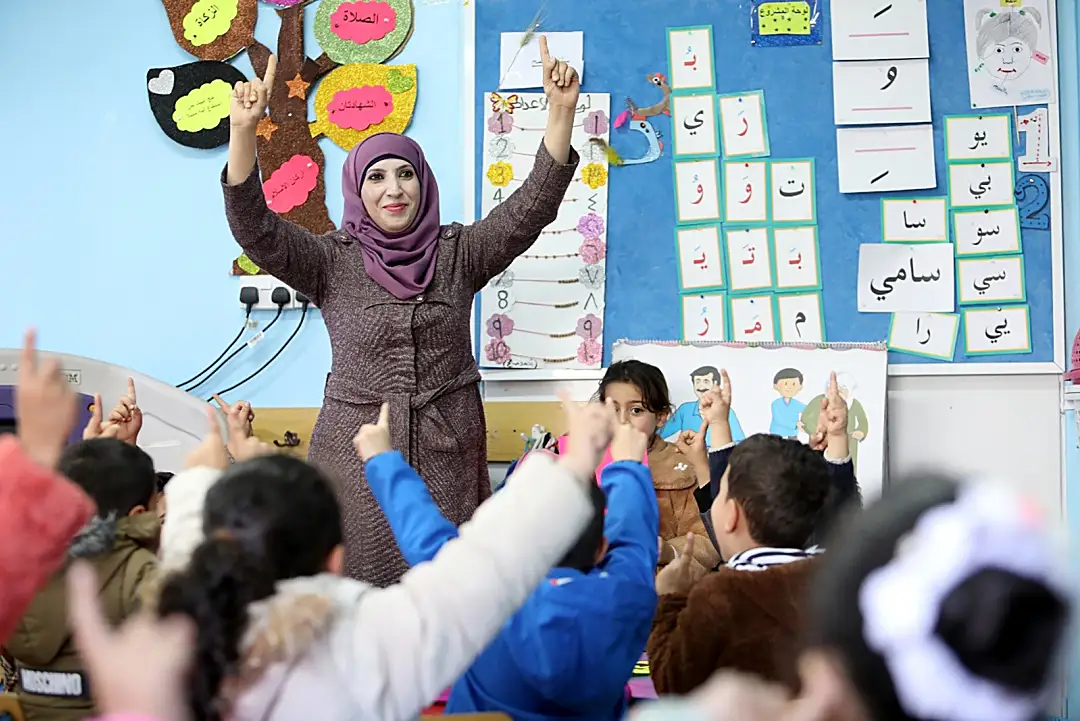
x,y
858,427
687,417
786,411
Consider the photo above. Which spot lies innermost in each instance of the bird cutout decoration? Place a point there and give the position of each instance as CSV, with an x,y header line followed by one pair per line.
x,y
637,120
363,31
212,29
359,100
661,108
191,102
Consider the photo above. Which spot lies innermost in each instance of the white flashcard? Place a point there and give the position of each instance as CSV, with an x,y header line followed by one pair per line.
x,y
988,231
749,267
879,29
991,331
752,319
795,252
978,137
881,92
690,58
701,262
794,192
703,316
897,278
991,280
932,335
744,131
915,220
885,159
980,185
693,123
520,67
800,318
746,194
697,191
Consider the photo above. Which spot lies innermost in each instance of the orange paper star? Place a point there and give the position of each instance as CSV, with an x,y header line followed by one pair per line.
x,y
297,87
266,127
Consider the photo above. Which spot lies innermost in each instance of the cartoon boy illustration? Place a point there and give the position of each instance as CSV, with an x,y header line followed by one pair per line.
x,y
687,417
786,411
858,427
1006,42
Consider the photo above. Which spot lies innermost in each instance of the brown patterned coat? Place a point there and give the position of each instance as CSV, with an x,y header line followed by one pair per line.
x,y
675,482
416,354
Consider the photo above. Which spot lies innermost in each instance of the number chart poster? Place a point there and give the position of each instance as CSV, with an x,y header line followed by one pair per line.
x,y
546,310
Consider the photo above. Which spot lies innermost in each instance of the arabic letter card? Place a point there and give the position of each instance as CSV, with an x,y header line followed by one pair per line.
x,y
990,231
915,220
997,331
746,194
520,67
931,335
697,191
793,196
690,58
701,263
693,121
704,317
886,158
880,92
980,185
800,318
992,280
879,29
978,137
752,319
744,130
795,253
785,23
749,268
896,278
1010,56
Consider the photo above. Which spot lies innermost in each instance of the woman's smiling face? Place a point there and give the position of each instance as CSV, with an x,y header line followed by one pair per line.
x,y
391,194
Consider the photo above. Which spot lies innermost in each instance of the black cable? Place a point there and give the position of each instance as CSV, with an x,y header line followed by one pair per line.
x,y
272,358
227,349
234,353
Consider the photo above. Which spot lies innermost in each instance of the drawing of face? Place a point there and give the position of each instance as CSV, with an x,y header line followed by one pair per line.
x,y
788,388
1006,41
1009,60
704,384
391,194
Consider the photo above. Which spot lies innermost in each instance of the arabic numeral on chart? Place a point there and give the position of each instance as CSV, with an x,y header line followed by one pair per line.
x,y
1032,198
503,299
498,196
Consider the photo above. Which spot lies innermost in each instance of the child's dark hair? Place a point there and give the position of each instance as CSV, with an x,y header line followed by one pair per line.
x,y
582,556
788,374
782,486
118,476
646,378
163,478
266,520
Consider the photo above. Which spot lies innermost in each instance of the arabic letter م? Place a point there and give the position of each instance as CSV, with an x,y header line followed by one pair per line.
x,y
800,317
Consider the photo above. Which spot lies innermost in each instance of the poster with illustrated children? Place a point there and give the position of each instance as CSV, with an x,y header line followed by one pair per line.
x,y
1010,52
778,389
546,310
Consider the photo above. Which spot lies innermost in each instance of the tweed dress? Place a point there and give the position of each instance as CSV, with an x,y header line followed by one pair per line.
x,y
415,354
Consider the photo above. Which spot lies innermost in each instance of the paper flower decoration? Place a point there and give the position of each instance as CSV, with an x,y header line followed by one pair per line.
x,y
500,123
500,148
499,326
591,225
594,175
504,279
596,123
589,353
592,276
592,251
497,351
589,327
500,174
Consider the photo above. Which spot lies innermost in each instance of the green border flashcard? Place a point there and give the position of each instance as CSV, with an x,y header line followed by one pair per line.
x,y
749,194
978,137
710,197
793,301
976,278
754,152
690,141
717,299
807,182
989,325
982,185
742,331
676,75
971,230
748,250
790,247
935,326
705,260
915,220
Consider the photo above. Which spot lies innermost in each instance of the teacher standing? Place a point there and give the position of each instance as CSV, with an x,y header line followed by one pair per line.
x,y
395,287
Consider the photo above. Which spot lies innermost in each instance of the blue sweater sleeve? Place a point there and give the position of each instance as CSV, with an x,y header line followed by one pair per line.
x,y
632,523
737,434
419,527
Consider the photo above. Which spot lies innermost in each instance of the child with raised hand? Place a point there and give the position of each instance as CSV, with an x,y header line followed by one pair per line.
x,y
571,648
281,635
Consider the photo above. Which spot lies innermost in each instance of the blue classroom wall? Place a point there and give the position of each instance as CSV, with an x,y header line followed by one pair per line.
x,y
642,295
114,241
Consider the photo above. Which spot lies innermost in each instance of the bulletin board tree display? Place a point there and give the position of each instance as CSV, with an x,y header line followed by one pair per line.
x,y
356,95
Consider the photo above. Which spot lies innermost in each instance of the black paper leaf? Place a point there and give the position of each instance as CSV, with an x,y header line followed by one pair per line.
x,y
191,102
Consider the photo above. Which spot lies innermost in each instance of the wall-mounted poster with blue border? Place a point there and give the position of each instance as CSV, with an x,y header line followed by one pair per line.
x,y
786,23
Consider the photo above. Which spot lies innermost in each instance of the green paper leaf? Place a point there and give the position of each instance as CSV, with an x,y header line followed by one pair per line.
x,y
398,82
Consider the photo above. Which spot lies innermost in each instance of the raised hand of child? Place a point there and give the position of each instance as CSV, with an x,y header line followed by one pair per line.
x,y
239,418
96,427
715,404
819,438
374,439
211,452
836,410
627,442
692,445
679,576
126,415
590,427
45,406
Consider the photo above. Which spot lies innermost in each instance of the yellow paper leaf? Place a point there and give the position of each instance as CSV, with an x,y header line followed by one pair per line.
x,y
784,18
208,20
359,100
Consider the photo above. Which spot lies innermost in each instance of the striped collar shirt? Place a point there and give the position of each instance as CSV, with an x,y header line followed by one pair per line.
x,y
763,557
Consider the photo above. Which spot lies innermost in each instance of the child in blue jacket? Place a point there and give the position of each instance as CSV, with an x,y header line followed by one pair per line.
x,y
570,650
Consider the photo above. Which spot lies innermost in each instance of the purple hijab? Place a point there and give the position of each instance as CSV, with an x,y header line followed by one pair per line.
x,y
403,263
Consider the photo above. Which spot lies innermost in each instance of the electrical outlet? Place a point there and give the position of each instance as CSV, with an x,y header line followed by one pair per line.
x,y
266,285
